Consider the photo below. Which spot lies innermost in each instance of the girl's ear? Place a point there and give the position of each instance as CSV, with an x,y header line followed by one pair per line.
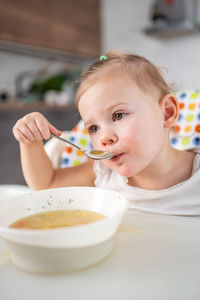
x,y
170,110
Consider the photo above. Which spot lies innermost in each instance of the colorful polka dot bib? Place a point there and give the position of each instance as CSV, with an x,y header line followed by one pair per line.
x,y
71,156
186,132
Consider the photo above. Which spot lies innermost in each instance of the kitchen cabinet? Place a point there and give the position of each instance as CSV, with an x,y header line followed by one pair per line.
x,y
66,26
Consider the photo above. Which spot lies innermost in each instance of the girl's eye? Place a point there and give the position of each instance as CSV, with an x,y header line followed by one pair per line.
x,y
92,129
118,116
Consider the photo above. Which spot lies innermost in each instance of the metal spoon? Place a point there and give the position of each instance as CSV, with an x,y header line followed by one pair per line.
x,y
94,154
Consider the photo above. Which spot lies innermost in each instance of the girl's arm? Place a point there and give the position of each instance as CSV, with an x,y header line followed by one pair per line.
x,y
36,165
40,174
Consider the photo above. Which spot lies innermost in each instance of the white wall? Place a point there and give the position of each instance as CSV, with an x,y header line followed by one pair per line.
x,y
123,22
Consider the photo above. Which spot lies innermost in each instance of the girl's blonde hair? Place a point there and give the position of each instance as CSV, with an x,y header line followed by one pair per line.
x,y
137,68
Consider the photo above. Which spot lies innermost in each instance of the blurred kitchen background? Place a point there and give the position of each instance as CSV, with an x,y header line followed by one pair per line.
x,y
46,44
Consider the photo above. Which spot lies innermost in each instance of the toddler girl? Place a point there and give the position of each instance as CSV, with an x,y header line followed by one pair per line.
x,y
128,109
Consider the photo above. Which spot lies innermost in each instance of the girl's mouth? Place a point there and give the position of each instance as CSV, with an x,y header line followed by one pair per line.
x,y
117,157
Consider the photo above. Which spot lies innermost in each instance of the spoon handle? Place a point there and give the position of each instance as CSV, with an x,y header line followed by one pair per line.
x,y
66,141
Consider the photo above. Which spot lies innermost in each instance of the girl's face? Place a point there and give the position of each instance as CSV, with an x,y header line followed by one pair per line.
x,y
122,119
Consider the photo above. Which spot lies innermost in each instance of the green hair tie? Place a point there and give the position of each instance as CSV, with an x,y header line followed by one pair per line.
x,y
103,57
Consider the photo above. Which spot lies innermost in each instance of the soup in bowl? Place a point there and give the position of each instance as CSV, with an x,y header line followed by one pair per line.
x,y
55,246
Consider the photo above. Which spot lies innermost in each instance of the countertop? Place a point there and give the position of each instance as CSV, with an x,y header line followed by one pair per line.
x,y
154,257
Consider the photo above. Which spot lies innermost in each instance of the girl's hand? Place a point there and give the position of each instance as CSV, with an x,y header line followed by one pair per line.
x,y
33,126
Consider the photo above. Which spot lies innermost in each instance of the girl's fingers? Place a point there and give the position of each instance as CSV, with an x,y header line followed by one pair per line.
x,y
21,131
25,130
44,127
35,130
54,130
19,135
33,126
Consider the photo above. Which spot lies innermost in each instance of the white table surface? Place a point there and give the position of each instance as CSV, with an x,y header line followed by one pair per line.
x,y
155,257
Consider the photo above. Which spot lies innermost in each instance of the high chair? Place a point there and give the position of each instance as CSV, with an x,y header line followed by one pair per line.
x,y
184,135
63,155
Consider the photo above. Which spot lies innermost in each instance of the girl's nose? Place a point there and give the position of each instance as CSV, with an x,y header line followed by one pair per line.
x,y
108,137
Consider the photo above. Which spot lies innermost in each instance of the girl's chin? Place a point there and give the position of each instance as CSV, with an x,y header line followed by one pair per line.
x,y
125,172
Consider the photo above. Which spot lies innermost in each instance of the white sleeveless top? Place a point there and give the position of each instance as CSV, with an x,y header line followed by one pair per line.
x,y
180,199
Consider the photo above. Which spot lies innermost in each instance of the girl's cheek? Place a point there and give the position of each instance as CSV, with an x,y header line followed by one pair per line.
x,y
127,139
94,142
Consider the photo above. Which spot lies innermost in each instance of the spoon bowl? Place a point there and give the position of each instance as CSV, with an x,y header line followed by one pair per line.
x,y
94,154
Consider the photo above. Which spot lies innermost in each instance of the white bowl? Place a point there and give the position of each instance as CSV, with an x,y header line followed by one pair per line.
x,y
63,249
